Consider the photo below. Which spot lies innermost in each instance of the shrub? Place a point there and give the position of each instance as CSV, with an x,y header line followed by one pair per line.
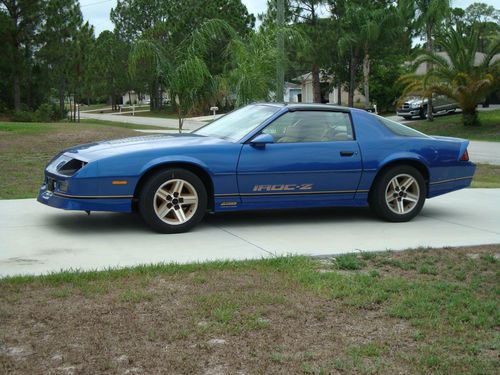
x,y
47,112
3,108
23,116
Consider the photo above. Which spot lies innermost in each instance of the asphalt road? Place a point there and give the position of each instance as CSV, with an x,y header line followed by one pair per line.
x,y
37,239
188,124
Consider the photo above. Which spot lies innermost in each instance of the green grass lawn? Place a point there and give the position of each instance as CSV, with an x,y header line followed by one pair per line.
x,y
157,114
425,311
451,126
25,149
85,107
124,125
486,176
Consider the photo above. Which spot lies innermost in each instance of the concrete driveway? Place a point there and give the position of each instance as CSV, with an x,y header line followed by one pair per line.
x,y
38,239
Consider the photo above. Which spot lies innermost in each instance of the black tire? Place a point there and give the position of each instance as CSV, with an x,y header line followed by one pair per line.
x,y
382,186
423,113
150,203
407,117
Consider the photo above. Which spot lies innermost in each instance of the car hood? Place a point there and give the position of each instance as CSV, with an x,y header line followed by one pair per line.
x,y
92,151
416,101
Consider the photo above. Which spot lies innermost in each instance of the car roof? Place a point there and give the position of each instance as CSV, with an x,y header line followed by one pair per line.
x,y
310,107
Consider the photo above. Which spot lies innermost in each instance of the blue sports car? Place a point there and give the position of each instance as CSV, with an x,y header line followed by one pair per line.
x,y
261,156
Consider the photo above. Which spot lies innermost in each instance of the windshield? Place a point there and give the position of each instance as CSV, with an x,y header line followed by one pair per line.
x,y
235,125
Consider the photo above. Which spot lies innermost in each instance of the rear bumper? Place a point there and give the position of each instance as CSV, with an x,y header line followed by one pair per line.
x,y
461,180
57,200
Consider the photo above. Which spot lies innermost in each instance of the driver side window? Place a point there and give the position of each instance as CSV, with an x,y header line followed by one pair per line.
x,y
311,126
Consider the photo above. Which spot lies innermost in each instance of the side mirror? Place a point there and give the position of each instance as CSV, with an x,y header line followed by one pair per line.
x,y
262,140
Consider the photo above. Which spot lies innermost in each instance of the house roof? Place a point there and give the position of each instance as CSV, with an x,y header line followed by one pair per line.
x,y
323,77
478,59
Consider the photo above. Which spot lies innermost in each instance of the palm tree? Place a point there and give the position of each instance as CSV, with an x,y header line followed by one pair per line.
x,y
181,68
252,69
428,14
364,26
252,74
458,74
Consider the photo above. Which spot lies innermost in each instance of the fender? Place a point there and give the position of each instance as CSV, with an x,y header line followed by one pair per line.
x,y
368,175
403,156
175,159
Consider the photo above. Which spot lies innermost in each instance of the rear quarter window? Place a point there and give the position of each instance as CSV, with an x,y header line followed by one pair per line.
x,y
400,129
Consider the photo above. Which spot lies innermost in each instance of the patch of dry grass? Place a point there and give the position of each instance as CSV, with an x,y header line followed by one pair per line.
x,y
486,176
420,311
25,149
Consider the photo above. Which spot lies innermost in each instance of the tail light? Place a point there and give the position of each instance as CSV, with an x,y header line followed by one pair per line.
x,y
465,156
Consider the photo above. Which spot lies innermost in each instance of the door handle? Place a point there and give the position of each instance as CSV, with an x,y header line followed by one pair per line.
x,y
346,153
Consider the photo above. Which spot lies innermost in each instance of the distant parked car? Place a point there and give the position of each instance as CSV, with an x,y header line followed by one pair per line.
x,y
416,106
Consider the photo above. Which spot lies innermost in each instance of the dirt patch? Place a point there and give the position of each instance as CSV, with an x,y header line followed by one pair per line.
x,y
256,319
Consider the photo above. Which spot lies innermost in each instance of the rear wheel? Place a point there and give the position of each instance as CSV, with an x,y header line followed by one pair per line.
x,y
173,201
398,194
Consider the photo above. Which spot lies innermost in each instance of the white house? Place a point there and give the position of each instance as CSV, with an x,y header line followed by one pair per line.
x,y
328,96
293,93
132,97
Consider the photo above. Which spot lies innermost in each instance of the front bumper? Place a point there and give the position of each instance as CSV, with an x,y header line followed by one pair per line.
x,y
87,203
408,112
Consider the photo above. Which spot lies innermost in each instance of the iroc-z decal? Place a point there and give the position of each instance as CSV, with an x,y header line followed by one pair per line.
x,y
282,187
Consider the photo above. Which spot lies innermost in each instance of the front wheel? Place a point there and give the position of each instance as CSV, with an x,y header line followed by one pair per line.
x,y
399,194
173,201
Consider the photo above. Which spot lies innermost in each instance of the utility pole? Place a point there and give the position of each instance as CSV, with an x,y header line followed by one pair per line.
x,y
280,61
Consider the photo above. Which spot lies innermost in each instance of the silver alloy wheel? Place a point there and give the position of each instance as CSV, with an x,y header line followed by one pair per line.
x,y
175,202
402,194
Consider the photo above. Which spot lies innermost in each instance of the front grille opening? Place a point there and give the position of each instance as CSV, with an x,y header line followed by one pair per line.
x,y
51,184
71,167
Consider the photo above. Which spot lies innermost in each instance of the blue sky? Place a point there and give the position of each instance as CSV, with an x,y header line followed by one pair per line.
x,y
97,11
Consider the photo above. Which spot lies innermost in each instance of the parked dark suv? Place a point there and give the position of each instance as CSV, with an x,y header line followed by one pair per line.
x,y
417,106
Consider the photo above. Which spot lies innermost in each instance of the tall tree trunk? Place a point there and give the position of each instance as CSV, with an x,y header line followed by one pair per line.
x,y
179,115
352,78
61,98
17,60
470,117
316,85
339,93
366,76
74,108
280,46
430,47
153,88
17,92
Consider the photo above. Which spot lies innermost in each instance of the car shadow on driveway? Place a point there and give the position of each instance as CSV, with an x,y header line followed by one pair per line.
x,y
290,216
99,222
104,222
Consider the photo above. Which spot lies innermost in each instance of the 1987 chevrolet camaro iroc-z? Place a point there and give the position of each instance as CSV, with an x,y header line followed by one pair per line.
x,y
262,156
